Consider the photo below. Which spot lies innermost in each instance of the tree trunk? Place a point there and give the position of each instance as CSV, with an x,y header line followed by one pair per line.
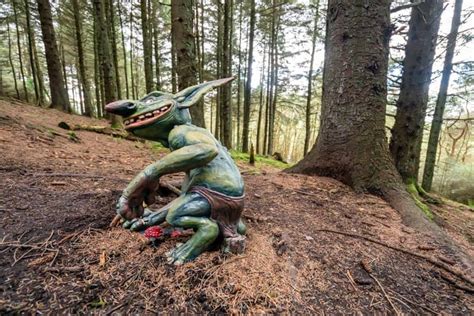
x,y
147,46
127,90
183,38
20,54
111,13
59,96
105,58
132,74
12,65
248,81
351,145
407,133
156,46
31,52
226,106
441,101
82,63
97,72
260,107
309,93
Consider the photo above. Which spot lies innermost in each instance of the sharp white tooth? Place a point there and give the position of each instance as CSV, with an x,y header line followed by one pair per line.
x,y
126,122
141,117
156,112
148,115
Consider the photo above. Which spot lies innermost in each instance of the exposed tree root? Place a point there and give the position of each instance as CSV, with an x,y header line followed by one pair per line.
x,y
435,262
120,133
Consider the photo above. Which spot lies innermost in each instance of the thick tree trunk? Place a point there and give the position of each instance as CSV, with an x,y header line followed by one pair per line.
x,y
59,96
147,46
351,145
183,38
309,93
407,133
441,101
248,81
20,53
86,92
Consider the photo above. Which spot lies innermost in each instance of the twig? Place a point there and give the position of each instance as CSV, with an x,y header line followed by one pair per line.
x,y
369,272
351,280
439,264
116,308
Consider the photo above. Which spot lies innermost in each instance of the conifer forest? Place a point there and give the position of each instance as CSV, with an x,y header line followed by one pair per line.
x,y
237,157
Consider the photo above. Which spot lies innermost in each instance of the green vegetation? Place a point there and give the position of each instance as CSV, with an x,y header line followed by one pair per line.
x,y
260,160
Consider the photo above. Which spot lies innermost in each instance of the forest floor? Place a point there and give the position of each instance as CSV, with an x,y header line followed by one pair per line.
x,y
57,253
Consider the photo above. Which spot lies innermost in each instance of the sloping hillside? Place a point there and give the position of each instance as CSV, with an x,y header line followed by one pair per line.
x,y
314,246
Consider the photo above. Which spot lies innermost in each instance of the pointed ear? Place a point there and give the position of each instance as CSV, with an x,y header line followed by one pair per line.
x,y
192,95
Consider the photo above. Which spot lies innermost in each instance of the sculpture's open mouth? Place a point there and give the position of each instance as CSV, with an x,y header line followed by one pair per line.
x,y
146,118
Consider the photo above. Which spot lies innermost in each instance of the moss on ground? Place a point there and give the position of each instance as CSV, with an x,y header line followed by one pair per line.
x,y
413,190
260,160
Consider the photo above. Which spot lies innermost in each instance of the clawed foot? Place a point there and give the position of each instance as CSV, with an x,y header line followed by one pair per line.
x,y
181,254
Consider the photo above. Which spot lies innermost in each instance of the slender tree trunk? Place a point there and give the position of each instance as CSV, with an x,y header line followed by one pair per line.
x,y
105,57
132,74
309,93
226,106
248,81
260,107
12,65
20,54
59,96
239,76
127,90
113,36
156,46
441,101
407,132
63,63
81,60
218,129
351,144
30,34
39,74
147,46
97,72
183,38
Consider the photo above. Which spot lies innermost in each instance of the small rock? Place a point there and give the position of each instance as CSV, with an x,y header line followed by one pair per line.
x,y
309,238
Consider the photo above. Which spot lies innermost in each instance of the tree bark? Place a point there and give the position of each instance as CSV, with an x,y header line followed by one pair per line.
x,y
248,81
127,90
441,100
351,145
407,132
12,65
59,95
309,93
226,106
20,54
113,37
156,47
147,46
184,46
86,92
105,58
31,52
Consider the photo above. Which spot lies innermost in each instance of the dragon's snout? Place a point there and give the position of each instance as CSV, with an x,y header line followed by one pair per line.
x,y
123,108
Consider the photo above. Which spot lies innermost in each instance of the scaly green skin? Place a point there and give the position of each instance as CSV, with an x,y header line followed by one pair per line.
x,y
194,151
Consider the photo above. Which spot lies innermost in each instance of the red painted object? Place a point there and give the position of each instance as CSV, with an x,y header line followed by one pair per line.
x,y
153,232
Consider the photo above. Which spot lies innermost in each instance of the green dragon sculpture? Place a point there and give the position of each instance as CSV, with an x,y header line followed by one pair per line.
x,y
212,197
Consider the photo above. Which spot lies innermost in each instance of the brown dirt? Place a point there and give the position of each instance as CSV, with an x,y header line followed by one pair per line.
x,y
57,197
